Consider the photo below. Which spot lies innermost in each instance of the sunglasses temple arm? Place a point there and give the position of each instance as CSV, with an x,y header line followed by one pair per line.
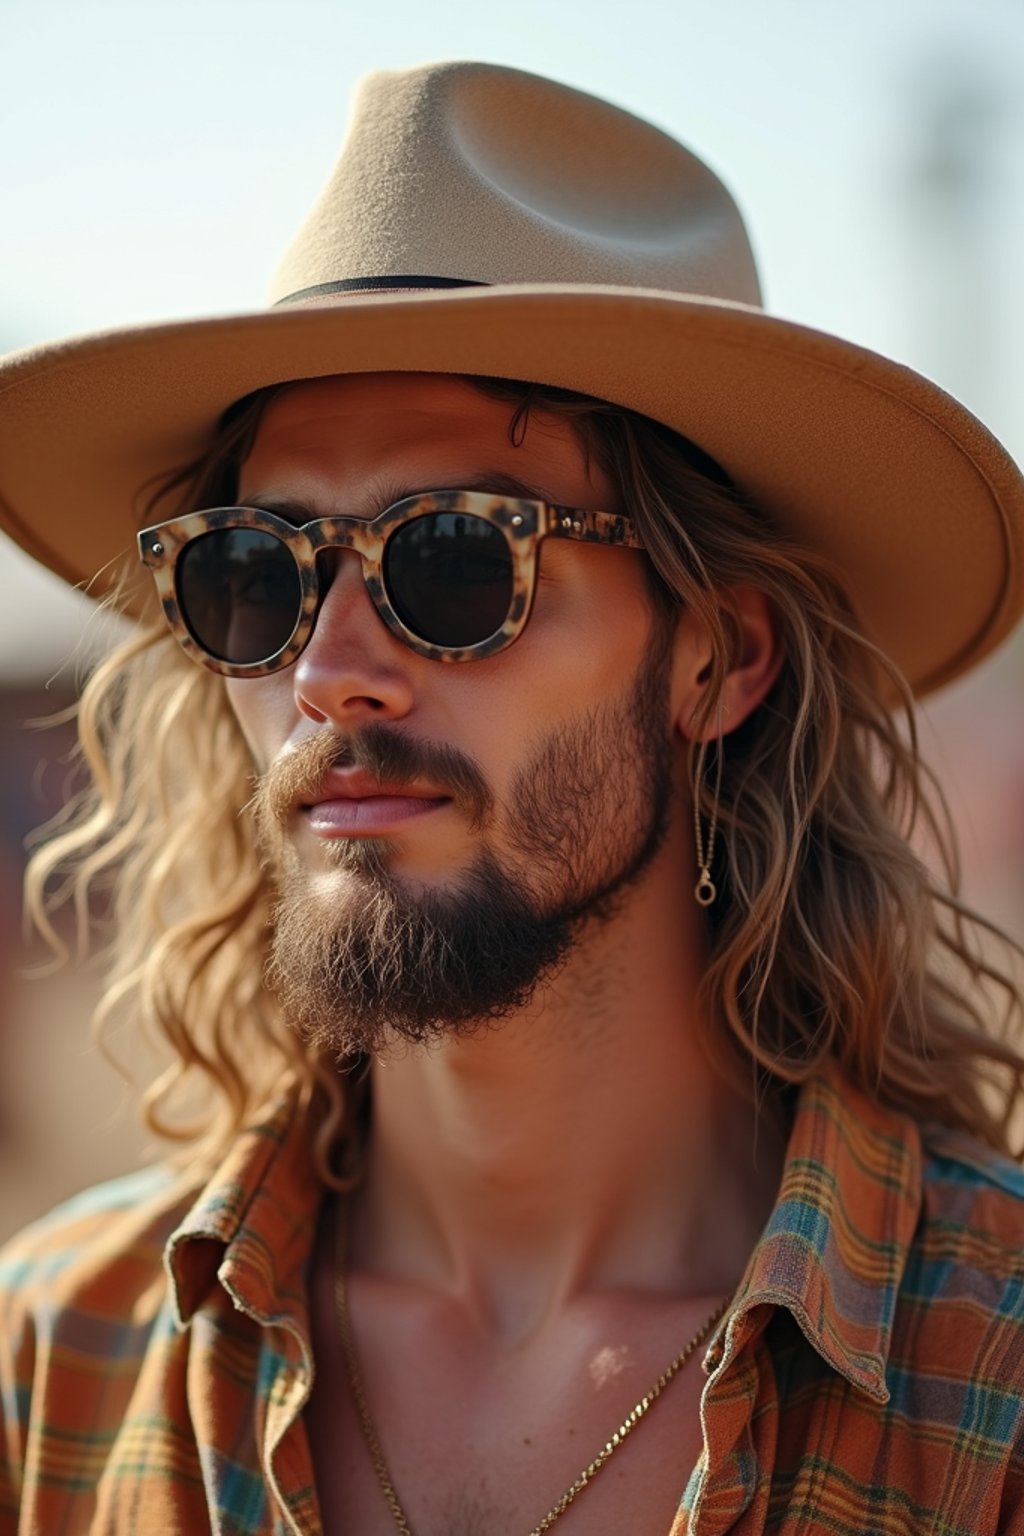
x,y
592,527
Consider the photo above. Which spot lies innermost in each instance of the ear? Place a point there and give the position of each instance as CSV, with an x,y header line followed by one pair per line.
x,y
753,665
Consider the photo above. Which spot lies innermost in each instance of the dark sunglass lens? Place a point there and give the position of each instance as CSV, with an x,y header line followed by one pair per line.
x,y
239,593
449,578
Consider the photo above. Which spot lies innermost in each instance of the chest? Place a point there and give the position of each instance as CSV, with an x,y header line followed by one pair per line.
x,y
461,1474
488,1447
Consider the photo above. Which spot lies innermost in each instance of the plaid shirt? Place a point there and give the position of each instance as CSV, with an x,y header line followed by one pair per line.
x,y
868,1377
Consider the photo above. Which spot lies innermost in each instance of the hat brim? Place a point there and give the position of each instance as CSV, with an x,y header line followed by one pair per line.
x,y
914,502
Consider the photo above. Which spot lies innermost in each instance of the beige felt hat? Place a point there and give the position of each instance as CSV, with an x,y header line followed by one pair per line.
x,y
485,221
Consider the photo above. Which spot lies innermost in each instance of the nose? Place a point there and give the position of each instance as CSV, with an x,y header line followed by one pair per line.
x,y
353,669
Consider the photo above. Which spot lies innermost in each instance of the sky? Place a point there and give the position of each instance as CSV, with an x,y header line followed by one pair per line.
x,y
155,160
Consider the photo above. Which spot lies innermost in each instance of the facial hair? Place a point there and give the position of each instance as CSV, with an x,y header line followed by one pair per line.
x,y
385,960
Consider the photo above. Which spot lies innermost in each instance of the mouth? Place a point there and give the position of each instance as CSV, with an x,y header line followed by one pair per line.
x,y
351,803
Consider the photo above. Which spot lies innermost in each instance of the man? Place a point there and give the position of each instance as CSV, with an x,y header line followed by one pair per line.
x,y
604,1127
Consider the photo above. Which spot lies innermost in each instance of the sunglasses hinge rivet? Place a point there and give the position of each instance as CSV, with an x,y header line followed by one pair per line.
x,y
157,547
517,520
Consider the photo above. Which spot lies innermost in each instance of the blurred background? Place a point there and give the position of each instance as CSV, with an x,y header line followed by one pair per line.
x,y
155,160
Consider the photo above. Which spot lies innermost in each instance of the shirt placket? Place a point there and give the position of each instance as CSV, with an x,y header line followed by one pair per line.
x,y
730,1486
285,1377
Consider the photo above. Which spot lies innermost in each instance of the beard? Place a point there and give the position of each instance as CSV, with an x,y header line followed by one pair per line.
x,y
382,959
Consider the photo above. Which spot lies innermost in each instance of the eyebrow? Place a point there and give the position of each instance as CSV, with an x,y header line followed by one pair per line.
x,y
387,494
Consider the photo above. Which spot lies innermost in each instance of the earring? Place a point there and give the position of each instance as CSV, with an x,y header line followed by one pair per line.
x,y
705,891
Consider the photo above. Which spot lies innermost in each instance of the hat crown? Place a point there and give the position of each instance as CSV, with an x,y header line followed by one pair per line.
x,y
478,173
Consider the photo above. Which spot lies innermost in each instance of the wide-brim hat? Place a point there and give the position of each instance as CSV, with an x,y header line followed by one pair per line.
x,y
485,221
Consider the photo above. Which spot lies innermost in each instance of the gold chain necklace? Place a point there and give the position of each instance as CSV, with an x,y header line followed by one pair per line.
x,y
369,1428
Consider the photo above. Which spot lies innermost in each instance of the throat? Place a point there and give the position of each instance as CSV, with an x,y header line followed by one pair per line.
x,y
518,1179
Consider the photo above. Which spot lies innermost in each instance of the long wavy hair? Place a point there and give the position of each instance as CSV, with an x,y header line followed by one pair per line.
x,y
830,940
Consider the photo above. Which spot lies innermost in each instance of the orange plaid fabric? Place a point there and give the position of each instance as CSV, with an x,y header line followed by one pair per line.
x,y
868,1377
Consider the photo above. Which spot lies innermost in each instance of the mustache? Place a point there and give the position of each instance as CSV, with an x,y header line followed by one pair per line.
x,y
387,755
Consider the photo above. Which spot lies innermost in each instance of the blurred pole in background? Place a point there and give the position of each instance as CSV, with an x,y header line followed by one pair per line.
x,y
954,184
957,187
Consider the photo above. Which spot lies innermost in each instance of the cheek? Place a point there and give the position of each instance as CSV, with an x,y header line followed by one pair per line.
x,y
265,710
580,651
592,620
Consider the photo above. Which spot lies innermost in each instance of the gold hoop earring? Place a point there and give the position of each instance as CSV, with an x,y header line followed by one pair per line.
x,y
705,891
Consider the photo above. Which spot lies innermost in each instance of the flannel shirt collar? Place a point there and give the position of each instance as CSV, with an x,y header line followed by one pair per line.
x,y
836,1244
252,1227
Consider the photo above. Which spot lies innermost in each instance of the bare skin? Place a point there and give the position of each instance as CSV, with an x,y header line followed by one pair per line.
x,y
551,1208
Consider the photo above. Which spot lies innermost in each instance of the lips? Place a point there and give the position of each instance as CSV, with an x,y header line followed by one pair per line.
x,y
352,802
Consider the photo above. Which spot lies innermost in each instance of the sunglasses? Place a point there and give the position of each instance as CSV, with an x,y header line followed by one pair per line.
x,y
451,573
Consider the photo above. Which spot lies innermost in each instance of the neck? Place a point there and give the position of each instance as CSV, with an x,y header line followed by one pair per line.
x,y
585,1144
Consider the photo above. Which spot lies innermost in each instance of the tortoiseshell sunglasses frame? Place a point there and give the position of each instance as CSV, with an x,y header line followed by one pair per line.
x,y
523,523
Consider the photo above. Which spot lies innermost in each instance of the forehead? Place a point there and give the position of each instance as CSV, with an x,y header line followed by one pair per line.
x,y
415,427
